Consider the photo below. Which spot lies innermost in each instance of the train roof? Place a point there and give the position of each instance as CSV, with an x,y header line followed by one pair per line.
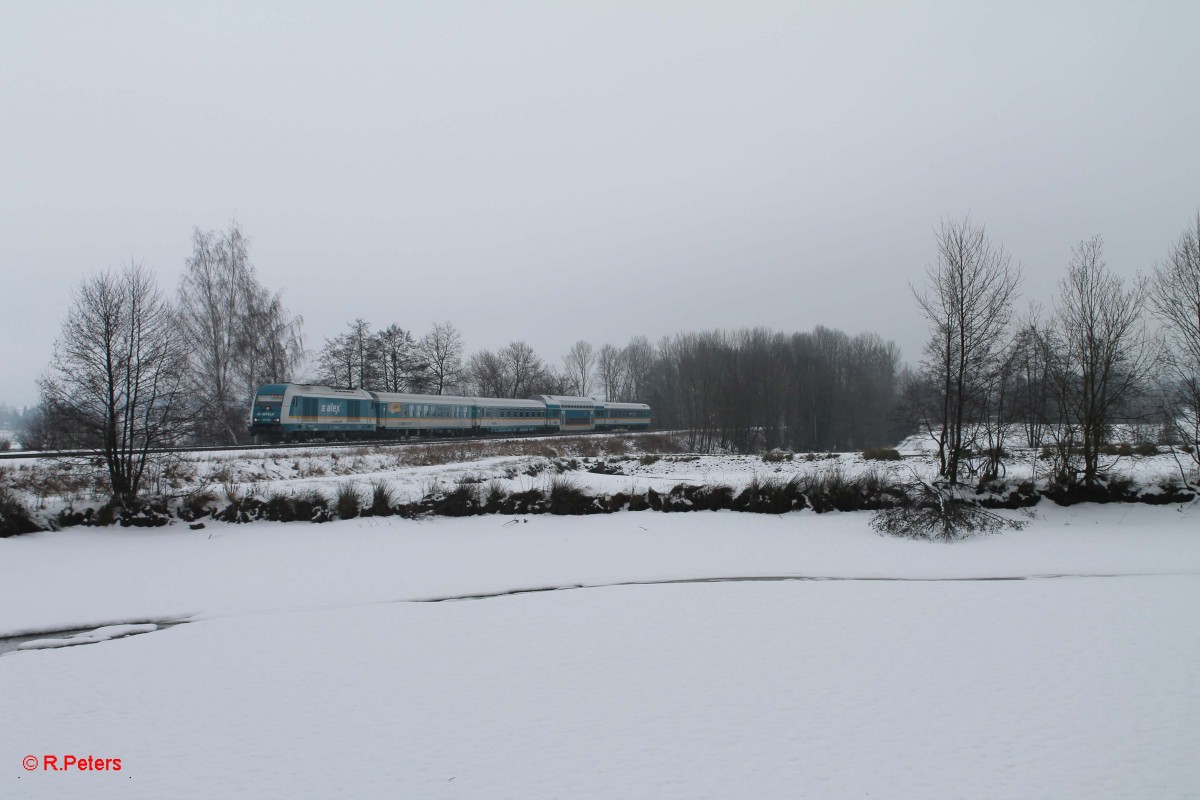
x,y
566,401
501,402
537,401
317,390
456,400
405,397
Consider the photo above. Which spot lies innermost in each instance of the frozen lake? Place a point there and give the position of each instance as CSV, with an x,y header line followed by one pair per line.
x,y
314,664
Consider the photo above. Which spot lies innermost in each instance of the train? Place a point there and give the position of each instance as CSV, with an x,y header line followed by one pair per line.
x,y
295,411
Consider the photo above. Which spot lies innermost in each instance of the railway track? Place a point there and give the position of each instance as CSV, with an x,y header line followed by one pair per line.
x,y
375,443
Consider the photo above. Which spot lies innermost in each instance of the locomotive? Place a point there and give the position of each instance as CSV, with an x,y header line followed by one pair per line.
x,y
291,411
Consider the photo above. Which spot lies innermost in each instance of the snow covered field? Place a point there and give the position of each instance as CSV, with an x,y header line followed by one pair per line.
x,y
826,661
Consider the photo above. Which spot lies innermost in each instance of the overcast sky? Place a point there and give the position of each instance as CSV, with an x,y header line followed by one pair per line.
x,y
563,171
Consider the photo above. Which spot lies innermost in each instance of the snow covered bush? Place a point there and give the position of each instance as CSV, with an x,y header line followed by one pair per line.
x,y
347,501
941,513
14,518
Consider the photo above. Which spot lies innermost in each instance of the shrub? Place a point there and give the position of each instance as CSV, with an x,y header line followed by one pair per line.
x,y
830,490
939,513
648,459
240,504
145,515
881,454
347,501
1003,494
640,502
278,507
493,496
530,501
311,505
1172,490
461,501
687,497
5,445
105,515
771,495
383,499
775,456
1145,449
566,497
196,504
14,517
1118,490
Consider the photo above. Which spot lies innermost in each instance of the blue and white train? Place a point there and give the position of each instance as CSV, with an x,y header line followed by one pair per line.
x,y
301,411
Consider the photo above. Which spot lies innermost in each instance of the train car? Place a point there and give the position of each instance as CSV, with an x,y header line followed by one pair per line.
x,y
297,411
498,415
575,414
414,414
301,411
622,416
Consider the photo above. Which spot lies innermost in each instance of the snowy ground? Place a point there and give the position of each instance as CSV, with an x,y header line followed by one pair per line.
x,y
414,471
313,665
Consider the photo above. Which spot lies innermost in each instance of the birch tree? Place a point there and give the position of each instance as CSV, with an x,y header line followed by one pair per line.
x,y
1175,299
238,335
578,365
1100,356
967,300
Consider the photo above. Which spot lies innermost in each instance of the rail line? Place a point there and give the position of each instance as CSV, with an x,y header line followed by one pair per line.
x,y
375,443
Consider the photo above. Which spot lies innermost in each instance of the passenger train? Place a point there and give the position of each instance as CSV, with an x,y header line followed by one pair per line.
x,y
291,411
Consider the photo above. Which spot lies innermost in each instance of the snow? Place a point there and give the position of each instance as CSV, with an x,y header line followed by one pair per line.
x,y
101,634
313,664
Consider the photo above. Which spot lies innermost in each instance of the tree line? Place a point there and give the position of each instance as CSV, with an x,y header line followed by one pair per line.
x,y
1060,378
134,368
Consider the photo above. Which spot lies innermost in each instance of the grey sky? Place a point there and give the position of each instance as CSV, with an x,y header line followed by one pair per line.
x,y
558,171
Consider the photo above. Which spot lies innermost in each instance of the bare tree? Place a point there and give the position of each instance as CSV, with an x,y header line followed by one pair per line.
x,y
117,375
1175,299
610,368
238,335
442,349
968,302
1031,403
1099,354
485,374
335,365
639,364
213,299
578,365
349,360
522,367
514,371
400,365
272,345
